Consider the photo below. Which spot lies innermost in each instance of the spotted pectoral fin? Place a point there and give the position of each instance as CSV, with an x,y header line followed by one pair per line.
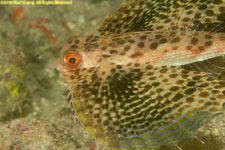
x,y
163,15
141,106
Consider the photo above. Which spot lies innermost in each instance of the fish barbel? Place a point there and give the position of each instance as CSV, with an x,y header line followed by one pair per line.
x,y
153,76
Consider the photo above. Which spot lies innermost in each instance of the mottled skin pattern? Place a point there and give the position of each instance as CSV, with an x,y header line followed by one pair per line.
x,y
163,15
172,48
130,89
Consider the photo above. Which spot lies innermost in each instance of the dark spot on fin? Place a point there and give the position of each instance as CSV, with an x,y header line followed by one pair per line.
x,y
223,105
221,76
221,17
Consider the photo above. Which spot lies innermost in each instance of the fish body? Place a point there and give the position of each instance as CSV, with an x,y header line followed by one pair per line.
x,y
158,48
139,88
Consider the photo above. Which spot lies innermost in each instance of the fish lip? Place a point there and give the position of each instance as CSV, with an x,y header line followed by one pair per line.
x,y
61,67
64,70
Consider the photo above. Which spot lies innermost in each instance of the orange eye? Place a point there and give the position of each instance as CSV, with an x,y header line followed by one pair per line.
x,y
71,59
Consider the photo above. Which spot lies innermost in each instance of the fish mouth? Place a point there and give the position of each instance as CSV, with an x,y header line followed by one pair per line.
x,y
64,69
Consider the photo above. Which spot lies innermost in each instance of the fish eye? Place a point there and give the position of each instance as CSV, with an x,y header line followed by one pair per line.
x,y
71,59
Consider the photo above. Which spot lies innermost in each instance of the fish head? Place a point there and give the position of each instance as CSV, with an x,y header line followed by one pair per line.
x,y
76,55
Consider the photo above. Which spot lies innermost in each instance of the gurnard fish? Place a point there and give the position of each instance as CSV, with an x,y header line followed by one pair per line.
x,y
153,75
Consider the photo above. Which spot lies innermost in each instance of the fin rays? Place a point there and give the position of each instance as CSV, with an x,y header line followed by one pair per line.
x,y
136,104
214,66
163,15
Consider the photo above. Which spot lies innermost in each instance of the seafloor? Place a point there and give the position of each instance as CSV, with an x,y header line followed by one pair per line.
x,y
34,113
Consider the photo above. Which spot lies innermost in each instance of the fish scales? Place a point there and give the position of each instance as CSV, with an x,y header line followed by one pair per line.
x,y
141,86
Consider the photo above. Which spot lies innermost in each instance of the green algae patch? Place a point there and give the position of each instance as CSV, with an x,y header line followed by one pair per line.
x,y
13,94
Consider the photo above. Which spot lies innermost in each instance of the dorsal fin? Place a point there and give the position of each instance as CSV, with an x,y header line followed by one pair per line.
x,y
154,15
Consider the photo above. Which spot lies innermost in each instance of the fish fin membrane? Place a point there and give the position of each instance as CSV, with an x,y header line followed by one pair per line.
x,y
218,27
214,67
163,15
141,106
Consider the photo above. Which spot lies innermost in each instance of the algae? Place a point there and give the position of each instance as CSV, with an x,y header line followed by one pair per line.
x,y
31,97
